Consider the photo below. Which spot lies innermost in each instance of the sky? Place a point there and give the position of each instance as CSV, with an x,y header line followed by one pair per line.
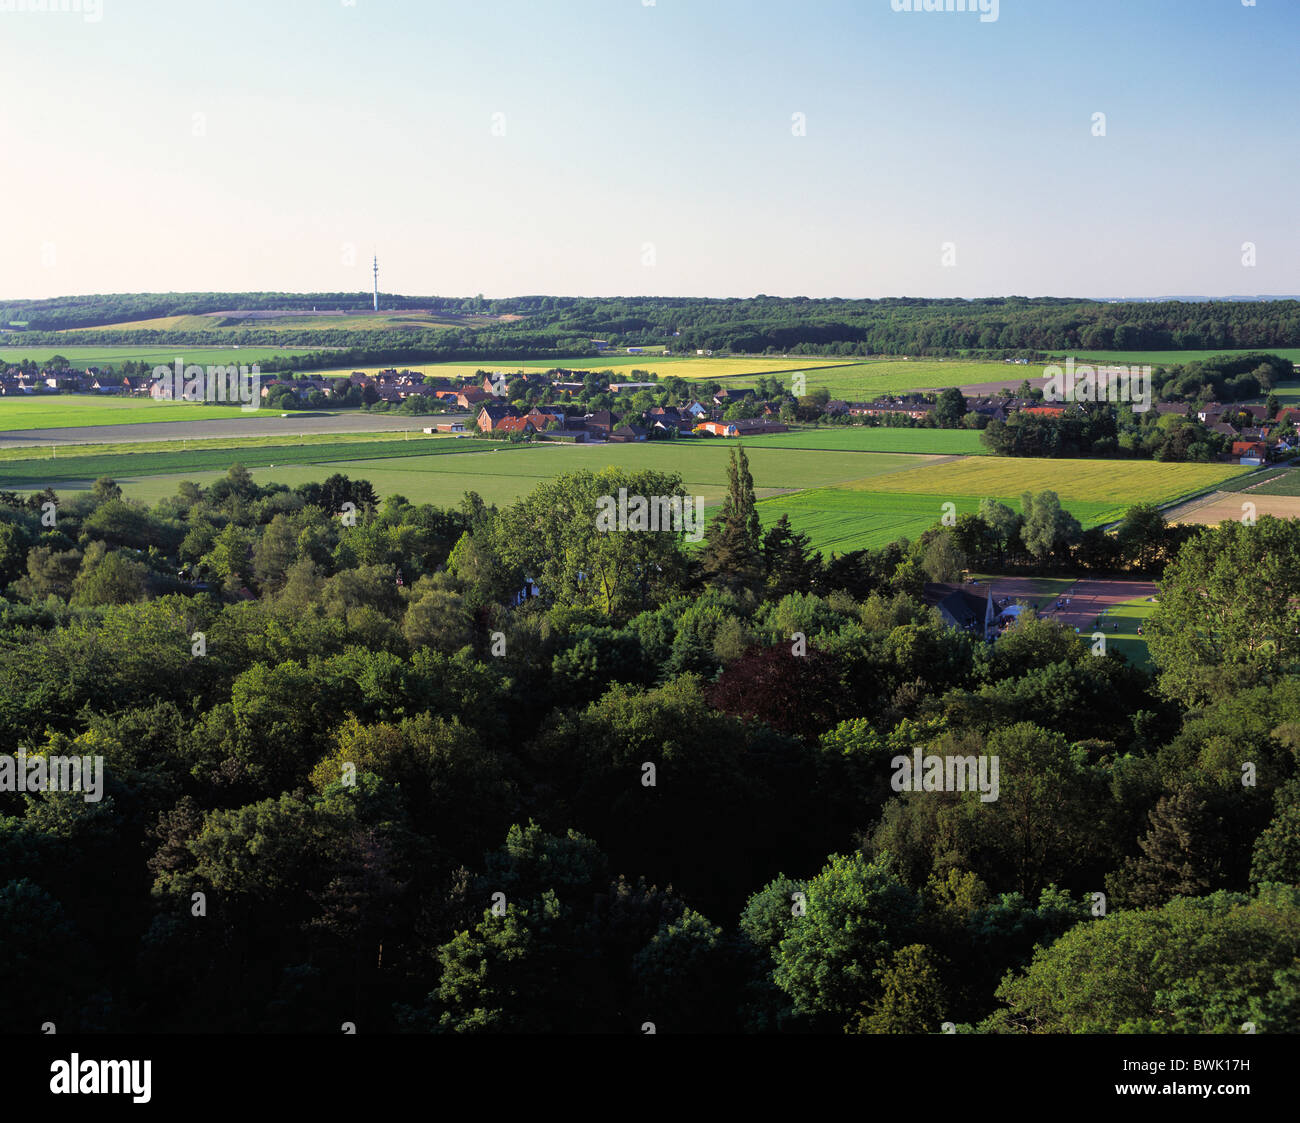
x,y
651,147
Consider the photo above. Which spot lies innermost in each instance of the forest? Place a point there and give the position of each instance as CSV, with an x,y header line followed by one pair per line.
x,y
565,326
353,775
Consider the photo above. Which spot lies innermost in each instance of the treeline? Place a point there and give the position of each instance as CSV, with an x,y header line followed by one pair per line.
x,y
763,324
352,776
63,312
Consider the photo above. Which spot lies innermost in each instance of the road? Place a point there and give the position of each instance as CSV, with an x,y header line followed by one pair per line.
x,y
352,421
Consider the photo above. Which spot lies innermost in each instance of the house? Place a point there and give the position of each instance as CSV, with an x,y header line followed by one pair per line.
x,y
1177,408
510,426
1209,413
471,396
1223,429
748,427
915,410
962,609
490,417
730,397
541,418
625,434
695,409
448,427
834,408
1250,452
1289,416
573,436
600,424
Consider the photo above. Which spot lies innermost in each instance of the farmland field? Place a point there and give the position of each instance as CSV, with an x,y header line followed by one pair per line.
x,y
683,366
81,470
57,411
1176,358
502,474
353,320
861,381
868,438
1285,483
1226,507
1117,484
855,518
13,350
875,511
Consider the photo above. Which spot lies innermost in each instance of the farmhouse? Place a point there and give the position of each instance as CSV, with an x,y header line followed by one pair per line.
x,y
490,417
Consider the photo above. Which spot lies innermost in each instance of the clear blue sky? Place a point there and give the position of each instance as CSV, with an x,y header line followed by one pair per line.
x,y
650,148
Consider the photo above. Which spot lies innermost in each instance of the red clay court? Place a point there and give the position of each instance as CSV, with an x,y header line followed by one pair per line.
x,y
1088,598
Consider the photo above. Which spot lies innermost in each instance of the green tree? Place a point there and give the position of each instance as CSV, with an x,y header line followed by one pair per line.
x,y
833,958
913,997
108,577
1179,858
1048,527
949,409
1229,611
1196,965
732,556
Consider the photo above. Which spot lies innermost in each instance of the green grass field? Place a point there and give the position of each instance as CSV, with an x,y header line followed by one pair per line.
x,y
499,476
57,411
1174,358
13,350
838,486
80,471
1130,616
873,512
841,519
865,438
864,381
1284,482
1116,484
235,445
